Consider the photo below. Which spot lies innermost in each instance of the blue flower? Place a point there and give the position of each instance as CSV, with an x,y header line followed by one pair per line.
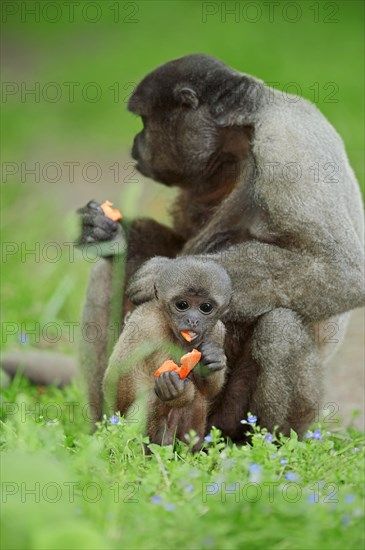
x,y
317,434
312,499
346,519
268,438
355,450
254,468
350,498
255,472
291,476
208,542
189,488
156,499
283,461
309,435
114,419
170,507
208,438
23,338
252,419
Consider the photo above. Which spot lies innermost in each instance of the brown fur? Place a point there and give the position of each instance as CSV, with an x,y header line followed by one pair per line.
x,y
174,406
292,245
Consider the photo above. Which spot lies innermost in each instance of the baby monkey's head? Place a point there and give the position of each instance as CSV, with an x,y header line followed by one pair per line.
x,y
193,294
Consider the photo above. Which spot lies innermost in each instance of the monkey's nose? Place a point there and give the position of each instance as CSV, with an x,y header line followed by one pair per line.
x,y
193,323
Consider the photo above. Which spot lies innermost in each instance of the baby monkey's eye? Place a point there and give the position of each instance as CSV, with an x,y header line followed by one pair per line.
x,y
182,305
206,308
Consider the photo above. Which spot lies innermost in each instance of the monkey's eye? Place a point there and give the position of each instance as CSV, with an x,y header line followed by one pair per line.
x,y
206,308
182,305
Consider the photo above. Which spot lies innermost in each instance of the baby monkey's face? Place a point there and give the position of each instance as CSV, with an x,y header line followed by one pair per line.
x,y
191,316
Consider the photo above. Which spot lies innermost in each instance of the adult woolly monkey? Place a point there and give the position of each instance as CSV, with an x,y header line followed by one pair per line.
x,y
266,191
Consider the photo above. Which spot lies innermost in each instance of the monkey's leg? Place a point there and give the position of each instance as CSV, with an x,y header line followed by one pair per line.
x,y
158,430
194,417
289,383
172,417
165,423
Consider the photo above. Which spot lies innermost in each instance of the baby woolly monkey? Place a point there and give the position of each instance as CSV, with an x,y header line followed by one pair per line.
x,y
191,296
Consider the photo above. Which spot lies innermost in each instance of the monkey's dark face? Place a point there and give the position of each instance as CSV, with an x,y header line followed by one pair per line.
x,y
182,142
174,147
192,315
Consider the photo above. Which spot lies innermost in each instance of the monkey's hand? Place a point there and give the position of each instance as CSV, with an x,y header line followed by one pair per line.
x,y
213,359
141,289
209,375
96,227
169,387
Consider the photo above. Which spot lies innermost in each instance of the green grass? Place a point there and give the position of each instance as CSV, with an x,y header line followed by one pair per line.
x,y
102,491
37,291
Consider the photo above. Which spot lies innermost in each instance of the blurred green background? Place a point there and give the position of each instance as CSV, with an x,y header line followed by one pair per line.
x,y
82,61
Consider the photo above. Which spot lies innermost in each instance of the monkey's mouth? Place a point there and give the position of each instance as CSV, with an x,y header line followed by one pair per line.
x,y
189,335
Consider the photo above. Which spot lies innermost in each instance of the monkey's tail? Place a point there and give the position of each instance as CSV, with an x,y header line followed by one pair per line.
x,y
40,367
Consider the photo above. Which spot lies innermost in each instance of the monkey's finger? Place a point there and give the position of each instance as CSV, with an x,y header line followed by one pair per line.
x,y
209,347
172,385
158,392
176,383
99,220
91,238
94,206
162,389
158,388
101,234
85,239
89,207
214,367
209,358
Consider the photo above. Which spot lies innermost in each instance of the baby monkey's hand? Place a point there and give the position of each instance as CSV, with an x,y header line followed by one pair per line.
x,y
213,359
169,386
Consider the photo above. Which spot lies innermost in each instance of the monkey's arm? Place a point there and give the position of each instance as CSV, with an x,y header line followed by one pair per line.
x,y
131,359
110,236
318,284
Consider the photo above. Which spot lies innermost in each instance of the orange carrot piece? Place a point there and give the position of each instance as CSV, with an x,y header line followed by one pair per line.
x,y
185,334
167,366
188,362
112,213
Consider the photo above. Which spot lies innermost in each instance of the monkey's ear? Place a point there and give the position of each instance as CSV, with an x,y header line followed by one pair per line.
x,y
186,96
236,101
